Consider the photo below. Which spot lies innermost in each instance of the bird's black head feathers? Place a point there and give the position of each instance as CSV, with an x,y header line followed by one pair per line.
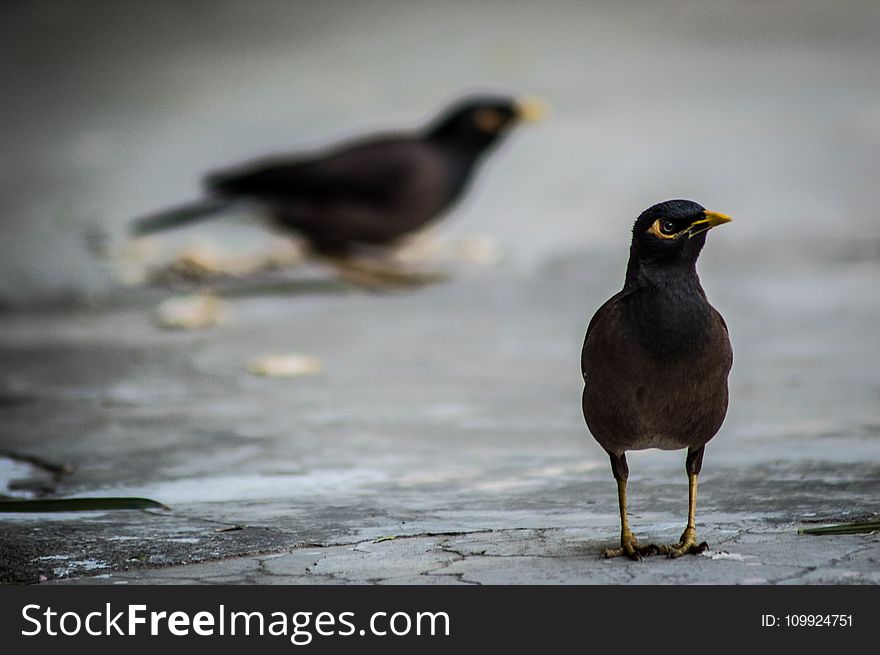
x,y
670,235
475,123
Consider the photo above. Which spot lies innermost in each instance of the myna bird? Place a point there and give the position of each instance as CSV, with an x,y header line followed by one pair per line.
x,y
656,358
369,192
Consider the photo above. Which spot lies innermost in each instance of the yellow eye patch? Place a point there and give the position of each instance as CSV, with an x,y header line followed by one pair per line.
x,y
488,120
657,232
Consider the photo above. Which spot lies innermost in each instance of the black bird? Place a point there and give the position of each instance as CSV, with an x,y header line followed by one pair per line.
x,y
370,192
656,358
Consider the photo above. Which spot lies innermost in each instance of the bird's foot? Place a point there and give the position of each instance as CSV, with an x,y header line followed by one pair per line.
x,y
687,545
630,548
383,277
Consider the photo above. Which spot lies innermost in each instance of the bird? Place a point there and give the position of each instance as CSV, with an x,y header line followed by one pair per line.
x,y
656,359
365,193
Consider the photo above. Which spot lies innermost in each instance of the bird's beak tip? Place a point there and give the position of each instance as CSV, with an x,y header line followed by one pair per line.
x,y
531,109
712,219
715,218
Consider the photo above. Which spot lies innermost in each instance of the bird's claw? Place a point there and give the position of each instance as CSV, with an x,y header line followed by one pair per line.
x,y
687,545
673,551
630,547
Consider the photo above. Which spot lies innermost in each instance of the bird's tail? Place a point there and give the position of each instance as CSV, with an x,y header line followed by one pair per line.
x,y
178,216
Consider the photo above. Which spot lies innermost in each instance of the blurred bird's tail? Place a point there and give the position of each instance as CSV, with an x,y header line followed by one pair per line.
x,y
190,213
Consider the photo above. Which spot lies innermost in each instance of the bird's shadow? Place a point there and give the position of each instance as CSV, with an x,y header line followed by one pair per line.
x,y
261,286
257,286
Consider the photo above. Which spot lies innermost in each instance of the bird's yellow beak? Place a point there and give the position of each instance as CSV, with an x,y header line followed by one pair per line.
x,y
713,219
531,110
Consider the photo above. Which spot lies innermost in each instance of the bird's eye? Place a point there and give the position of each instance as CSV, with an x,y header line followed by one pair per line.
x,y
667,227
488,120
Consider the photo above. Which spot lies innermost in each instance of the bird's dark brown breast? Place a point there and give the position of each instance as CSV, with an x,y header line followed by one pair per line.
x,y
642,390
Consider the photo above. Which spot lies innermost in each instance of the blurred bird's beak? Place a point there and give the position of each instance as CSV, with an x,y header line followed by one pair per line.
x,y
531,110
713,219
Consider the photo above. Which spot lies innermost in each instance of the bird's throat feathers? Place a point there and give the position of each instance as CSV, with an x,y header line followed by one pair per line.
x,y
666,310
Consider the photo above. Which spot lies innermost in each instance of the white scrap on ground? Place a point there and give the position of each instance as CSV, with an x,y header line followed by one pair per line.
x,y
138,261
723,554
191,312
427,247
285,366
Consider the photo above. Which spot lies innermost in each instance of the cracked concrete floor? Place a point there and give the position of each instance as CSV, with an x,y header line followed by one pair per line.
x,y
447,417
534,556
442,448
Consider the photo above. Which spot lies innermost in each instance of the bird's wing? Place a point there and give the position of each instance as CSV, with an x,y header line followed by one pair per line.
x,y
726,338
597,317
607,307
369,172
604,314
720,319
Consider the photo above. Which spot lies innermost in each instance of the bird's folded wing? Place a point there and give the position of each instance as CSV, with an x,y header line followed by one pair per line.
x,y
371,172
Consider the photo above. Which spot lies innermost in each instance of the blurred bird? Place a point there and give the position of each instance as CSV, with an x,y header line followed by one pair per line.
x,y
656,358
369,192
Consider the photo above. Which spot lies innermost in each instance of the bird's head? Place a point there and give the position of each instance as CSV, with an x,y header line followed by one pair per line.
x,y
672,232
476,123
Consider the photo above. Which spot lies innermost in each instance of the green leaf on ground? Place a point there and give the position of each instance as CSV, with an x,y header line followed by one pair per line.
x,y
78,504
855,527
387,538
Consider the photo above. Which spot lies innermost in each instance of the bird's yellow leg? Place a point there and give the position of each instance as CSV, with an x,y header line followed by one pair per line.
x,y
688,542
379,276
629,546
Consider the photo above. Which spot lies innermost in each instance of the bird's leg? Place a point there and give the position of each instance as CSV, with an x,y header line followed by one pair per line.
x,y
629,546
688,541
628,543
379,276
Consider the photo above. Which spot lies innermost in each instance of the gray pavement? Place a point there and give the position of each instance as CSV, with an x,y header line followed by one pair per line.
x,y
442,442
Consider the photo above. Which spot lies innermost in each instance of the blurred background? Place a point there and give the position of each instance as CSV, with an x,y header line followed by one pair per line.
x,y
455,406
769,111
